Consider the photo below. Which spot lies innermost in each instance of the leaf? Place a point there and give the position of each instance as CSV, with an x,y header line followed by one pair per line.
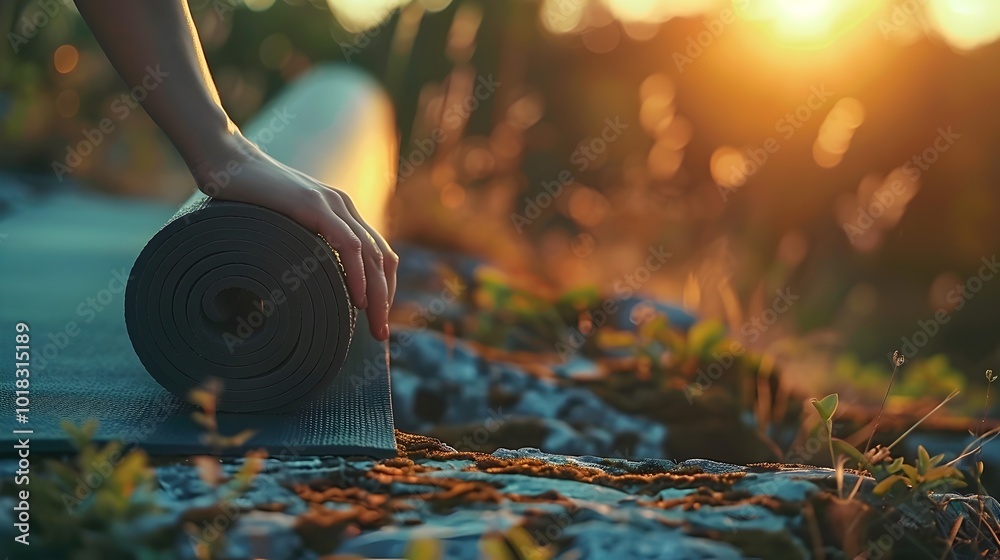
x,y
839,475
493,547
239,439
609,339
923,459
896,465
209,469
827,406
911,472
423,549
704,336
525,546
935,460
882,487
842,447
203,420
943,472
81,436
580,298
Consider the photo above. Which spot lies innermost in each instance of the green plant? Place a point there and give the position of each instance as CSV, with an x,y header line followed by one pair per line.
x,y
226,488
826,409
100,504
897,360
927,475
207,398
513,544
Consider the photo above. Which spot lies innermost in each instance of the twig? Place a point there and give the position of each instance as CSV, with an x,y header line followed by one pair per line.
x,y
982,440
897,360
817,540
926,416
951,536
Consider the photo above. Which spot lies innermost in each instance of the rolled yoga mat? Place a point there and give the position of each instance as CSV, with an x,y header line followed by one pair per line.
x,y
70,290
246,296
306,376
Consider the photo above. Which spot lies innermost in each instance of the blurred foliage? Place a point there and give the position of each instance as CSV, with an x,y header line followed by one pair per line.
x,y
930,377
652,186
99,505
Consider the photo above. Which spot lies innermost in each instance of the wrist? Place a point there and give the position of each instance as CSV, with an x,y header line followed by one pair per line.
x,y
217,159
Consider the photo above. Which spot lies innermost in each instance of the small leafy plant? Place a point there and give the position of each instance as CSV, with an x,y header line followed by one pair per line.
x,y
928,474
99,504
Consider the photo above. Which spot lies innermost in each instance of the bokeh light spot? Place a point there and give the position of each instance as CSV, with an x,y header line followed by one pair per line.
x,y
587,207
275,51
258,5
726,166
966,24
65,59
452,196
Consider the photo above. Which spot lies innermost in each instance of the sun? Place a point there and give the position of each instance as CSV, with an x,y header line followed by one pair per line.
x,y
807,23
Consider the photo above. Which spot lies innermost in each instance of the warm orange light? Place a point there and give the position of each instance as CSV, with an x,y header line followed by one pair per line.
x,y
452,196
664,160
726,166
808,23
588,207
359,15
659,10
559,16
65,59
966,24
836,132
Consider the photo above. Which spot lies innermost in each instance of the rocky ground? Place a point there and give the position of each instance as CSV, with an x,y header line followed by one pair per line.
x,y
435,502
549,453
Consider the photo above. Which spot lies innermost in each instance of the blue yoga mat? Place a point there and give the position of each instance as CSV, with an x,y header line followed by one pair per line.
x,y
306,376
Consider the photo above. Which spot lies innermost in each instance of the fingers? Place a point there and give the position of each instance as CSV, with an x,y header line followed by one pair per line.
x,y
375,276
390,261
378,293
315,214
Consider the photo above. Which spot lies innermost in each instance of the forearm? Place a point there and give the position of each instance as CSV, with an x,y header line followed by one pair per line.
x,y
155,41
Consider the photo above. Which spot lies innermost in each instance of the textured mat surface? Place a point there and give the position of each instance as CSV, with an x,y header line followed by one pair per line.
x,y
67,261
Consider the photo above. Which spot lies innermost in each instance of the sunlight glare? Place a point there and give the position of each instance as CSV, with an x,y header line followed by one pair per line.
x,y
561,16
658,10
966,24
808,22
358,15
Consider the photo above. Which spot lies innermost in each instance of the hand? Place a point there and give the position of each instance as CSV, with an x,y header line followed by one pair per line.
x,y
369,263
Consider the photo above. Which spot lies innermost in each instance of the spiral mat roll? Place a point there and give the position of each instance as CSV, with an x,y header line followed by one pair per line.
x,y
224,290
243,294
